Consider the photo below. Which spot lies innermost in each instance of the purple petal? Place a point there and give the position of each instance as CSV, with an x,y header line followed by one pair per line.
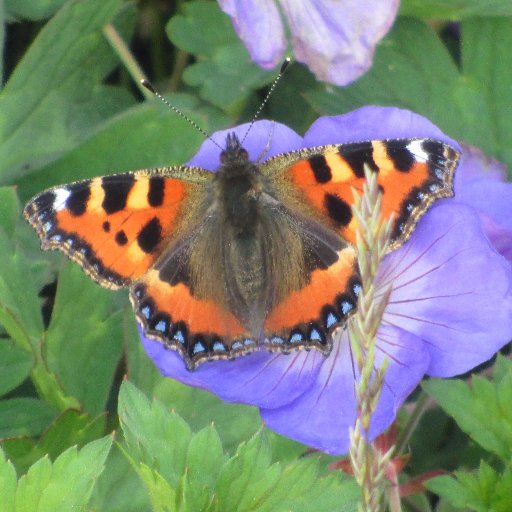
x,y
258,24
451,289
475,165
336,40
322,416
262,378
480,183
264,140
370,123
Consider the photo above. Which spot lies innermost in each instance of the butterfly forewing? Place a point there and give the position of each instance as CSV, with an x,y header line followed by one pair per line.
x,y
412,174
115,227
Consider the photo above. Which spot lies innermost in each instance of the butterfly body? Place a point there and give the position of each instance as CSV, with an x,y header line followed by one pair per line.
x,y
256,254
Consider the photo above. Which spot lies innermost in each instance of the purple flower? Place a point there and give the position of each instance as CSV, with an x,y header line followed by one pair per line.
x,y
480,183
450,308
336,40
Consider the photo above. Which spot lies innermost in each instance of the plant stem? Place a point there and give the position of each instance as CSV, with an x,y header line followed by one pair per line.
x,y
124,53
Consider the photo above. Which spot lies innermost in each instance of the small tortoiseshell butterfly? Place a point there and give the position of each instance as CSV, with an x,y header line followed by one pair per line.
x,y
253,255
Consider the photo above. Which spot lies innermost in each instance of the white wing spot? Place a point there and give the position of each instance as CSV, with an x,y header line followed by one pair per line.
x,y
416,148
61,196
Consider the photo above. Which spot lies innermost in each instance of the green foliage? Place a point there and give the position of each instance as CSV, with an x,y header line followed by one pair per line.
x,y
65,484
482,410
54,97
454,9
472,406
85,345
224,73
27,9
69,110
482,491
188,471
15,366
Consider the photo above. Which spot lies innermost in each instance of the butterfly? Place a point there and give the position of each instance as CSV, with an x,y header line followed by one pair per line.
x,y
220,264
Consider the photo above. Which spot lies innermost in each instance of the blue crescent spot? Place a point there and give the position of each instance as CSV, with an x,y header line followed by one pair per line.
x,y
331,320
198,347
161,326
179,337
218,347
236,345
346,307
277,340
315,335
146,312
248,342
296,337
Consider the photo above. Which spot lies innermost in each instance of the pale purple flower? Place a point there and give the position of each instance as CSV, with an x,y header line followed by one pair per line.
x,y
450,308
335,39
481,183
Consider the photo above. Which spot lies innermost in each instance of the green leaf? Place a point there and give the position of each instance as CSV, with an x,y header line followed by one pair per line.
x,y
84,339
202,471
3,25
119,488
20,310
454,9
66,484
483,491
233,422
7,483
245,478
486,64
156,437
228,78
69,429
502,367
9,209
201,29
24,417
224,72
30,10
15,366
190,472
144,136
54,97
250,482
301,489
473,406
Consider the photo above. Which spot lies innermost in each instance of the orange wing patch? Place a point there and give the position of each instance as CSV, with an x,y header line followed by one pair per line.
x,y
307,317
113,226
198,329
412,174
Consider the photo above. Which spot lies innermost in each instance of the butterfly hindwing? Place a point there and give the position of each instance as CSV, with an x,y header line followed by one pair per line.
x,y
115,226
306,318
412,174
199,329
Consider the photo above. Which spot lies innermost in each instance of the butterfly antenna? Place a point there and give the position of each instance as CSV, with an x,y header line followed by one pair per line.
x,y
150,87
284,65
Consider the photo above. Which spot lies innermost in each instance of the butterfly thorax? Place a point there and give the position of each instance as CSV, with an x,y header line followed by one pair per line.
x,y
238,186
